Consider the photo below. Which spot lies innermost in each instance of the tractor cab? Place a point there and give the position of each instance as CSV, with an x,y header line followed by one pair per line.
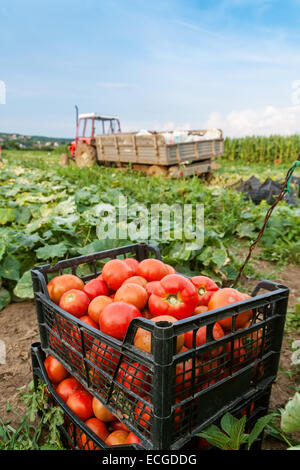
x,y
91,124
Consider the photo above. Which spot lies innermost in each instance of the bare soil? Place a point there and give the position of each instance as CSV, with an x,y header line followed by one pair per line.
x,y
19,329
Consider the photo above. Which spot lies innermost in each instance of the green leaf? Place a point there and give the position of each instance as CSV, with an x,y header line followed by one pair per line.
x,y
237,436
215,437
7,215
227,422
52,251
290,418
10,268
258,428
23,289
4,298
219,257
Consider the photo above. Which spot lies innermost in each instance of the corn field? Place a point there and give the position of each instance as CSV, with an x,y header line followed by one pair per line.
x,y
262,149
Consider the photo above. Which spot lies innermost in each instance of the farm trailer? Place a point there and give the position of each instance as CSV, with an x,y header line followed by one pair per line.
x,y
159,153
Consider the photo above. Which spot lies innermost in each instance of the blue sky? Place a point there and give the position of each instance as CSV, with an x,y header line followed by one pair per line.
x,y
158,65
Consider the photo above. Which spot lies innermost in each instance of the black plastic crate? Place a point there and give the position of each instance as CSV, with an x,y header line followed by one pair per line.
x,y
174,394
76,435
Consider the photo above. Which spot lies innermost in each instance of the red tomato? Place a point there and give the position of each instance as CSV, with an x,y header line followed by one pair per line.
x,y
115,272
178,297
75,302
105,357
115,318
132,263
97,305
217,332
142,339
101,412
134,377
147,314
228,296
170,268
133,294
201,309
152,269
94,288
153,286
118,425
99,428
205,288
136,280
80,402
68,386
132,439
61,284
142,413
116,438
55,370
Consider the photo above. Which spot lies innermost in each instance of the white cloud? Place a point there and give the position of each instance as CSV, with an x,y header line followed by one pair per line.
x,y
264,121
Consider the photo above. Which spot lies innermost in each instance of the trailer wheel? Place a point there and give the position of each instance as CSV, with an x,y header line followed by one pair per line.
x,y
86,155
156,170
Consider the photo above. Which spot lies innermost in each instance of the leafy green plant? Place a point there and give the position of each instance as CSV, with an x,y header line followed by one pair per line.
x,y
29,433
231,435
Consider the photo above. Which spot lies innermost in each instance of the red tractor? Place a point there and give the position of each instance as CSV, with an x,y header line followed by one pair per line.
x,y
88,125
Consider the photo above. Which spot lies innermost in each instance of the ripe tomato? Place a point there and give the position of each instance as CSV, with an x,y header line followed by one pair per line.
x,y
136,280
76,335
68,386
61,284
101,412
115,272
205,288
200,309
170,268
132,439
97,305
105,357
99,428
152,269
152,287
133,294
177,298
135,377
118,425
217,333
55,370
80,402
132,263
94,288
75,302
115,318
142,413
116,438
147,314
228,296
142,339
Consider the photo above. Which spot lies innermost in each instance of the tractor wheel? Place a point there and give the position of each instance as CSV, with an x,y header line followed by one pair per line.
x,y
86,155
64,159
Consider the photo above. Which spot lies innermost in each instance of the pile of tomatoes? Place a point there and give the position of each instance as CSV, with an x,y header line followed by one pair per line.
x,y
88,409
128,289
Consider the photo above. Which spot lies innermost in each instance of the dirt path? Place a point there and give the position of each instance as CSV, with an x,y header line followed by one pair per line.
x,y
18,329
